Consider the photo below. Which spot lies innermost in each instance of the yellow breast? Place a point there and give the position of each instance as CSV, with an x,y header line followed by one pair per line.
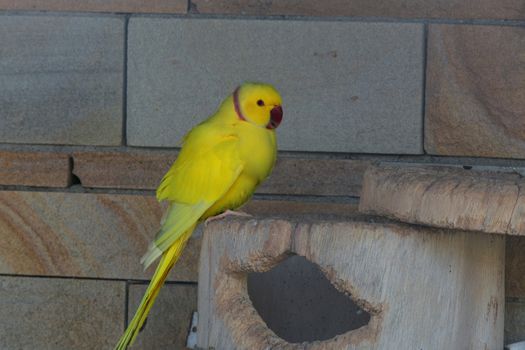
x,y
258,151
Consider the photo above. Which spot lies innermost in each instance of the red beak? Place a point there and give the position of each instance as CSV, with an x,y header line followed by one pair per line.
x,y
276,116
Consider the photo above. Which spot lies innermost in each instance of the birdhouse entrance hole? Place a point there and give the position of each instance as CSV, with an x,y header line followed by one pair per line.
x,y
298,302
256,290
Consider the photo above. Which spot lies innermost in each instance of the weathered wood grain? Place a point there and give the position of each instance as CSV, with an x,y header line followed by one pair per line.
x,y
424,288
276,208
27,168
475,94
515,267
446,197
514,321
143,169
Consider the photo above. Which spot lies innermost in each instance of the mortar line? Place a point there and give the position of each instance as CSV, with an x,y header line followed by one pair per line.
x,y
357,19
104,279
146,282
125,83
76,189
54,13
63,277
259,196
424,89
307,198
70,168
126,306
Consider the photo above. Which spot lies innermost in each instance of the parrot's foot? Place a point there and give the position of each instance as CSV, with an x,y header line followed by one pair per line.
x,y
225,214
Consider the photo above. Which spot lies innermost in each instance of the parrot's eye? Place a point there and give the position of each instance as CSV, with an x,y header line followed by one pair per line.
x,y
260,103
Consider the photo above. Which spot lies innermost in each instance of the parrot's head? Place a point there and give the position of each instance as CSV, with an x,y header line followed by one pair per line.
x,y
259,104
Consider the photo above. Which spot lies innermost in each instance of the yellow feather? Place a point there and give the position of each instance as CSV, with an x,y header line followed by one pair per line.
x,y
221,162
169,259
205,168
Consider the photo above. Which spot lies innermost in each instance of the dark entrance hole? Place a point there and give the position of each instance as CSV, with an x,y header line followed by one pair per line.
x,y
299,304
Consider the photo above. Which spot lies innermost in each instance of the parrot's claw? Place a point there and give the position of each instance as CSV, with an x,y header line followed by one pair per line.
x,y
226,214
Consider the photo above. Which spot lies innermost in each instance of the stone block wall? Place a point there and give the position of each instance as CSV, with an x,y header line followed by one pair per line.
x,y
95,96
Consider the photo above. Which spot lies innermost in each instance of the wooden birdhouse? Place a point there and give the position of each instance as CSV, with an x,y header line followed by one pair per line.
x,y
423,287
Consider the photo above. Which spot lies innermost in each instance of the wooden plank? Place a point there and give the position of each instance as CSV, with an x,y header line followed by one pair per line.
x,y
275,208
515,267
446,197
515,323
424,288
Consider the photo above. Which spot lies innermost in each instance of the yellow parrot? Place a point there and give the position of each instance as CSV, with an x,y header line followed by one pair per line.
x,y
222,161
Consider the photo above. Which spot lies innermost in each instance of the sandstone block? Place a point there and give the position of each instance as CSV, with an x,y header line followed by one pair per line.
x,y
170,318
83,235
130,169
359,91
103,235
133,6
145,169
506,9
45,169
475,96
61,79
60,314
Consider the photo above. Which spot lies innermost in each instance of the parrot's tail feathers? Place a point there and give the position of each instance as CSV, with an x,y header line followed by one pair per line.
x,y
169,259
151,255
178,219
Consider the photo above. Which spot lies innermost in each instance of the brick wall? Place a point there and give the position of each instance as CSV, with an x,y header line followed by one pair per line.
x,y
94,96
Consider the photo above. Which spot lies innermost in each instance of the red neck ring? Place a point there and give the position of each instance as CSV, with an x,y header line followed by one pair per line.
x,y
237,105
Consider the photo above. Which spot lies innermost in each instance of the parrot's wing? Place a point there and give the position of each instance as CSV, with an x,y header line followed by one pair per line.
x,y
192,185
